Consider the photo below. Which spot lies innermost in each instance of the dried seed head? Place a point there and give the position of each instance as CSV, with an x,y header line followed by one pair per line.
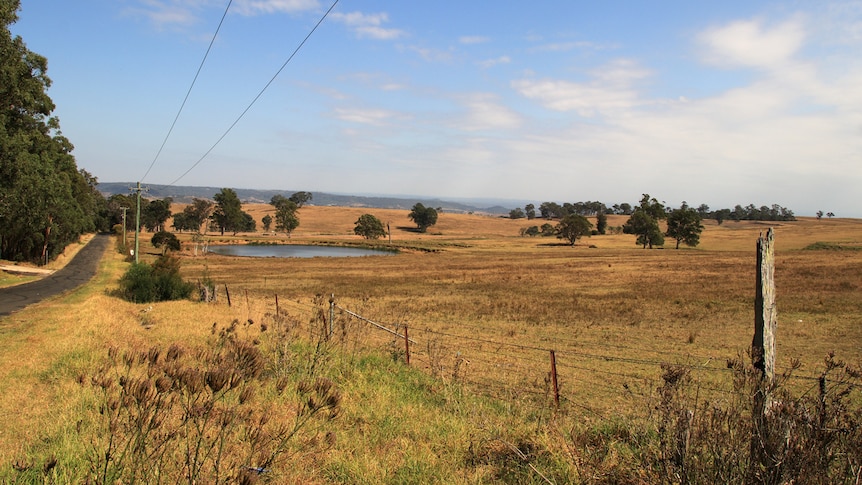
x,y
163,384
281,384
174,353
246,395
217,378
143,390
153,355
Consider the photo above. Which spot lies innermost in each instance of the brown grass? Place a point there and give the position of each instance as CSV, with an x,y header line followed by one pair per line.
x,y
484,307
612,311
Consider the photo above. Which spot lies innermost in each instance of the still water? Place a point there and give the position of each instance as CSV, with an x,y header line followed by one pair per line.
x,y
294,251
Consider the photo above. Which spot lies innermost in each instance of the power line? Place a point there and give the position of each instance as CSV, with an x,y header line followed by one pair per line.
x,y
253,101
189,92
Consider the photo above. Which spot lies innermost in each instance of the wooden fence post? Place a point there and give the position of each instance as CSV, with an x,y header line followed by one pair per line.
x,y
276,305
763,462
331,312
227,293
406,345
554,379
763,344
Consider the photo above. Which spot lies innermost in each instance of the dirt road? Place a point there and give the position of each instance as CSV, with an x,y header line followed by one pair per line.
x,y
79,271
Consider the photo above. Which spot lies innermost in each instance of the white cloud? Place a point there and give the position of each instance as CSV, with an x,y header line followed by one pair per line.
x,y
375,117
485,112
368,25
610,91
493,62
747,43
254,7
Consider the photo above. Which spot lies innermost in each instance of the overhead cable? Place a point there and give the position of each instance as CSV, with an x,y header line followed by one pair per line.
x,y
253,101
212,41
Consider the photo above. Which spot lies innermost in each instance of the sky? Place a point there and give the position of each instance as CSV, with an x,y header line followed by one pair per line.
x,y
717,103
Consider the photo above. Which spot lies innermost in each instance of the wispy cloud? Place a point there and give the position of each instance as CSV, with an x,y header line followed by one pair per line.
x,y
610,91
486,112
375,117
488,63
255,7
368,26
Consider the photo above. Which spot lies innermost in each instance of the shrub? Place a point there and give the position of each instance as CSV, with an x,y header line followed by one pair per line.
x,y
143,283
167,240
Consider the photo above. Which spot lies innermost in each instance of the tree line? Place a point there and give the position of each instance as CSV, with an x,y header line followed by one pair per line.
x,y
750,212
46,201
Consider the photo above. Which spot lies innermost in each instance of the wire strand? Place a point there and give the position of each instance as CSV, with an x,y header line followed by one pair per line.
x,y
259,94
189,92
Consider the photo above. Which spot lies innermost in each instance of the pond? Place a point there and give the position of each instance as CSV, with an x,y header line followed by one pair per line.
x,y
294,251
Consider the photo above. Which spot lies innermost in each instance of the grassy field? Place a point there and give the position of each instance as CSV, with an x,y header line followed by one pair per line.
x,y
484,308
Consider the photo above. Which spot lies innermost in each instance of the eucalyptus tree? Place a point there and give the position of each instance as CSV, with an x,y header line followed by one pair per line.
x,y
45,201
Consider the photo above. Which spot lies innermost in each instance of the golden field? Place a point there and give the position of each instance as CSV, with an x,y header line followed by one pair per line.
x,y
484,308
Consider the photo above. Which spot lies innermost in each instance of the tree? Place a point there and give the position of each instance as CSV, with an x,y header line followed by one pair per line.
x,y
285,214
572,227
601,222
300,198
228,214
548,230
644,222
684,225
267,222
516,213
531,231
369,227
530,211
423,217
45,201
155,214
167,240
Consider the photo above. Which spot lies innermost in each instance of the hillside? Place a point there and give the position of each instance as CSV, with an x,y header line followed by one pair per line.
x,y
184,194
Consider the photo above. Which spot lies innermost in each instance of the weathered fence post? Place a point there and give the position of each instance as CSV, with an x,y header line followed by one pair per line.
x,y
331,312
763,357
227,294
554,379
406,345
763,344
277,313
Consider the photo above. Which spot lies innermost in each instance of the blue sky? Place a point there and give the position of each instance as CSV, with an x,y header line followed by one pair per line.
x,y
722,103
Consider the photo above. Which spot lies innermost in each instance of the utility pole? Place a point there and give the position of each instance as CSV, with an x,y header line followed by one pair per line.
x,y
124,228
138,221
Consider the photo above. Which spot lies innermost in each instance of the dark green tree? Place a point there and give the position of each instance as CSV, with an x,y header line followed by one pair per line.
x,y
601,222
267,223
285,214
517,213
684,225
369,227
423,217
228,214
530,210
301,198
644,222
572,227
155,214
45,201
166,240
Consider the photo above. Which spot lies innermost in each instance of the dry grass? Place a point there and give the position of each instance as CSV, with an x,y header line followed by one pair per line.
x,y
484,307
612,312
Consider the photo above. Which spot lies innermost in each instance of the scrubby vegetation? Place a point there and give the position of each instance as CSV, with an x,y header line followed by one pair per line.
x,y
161,281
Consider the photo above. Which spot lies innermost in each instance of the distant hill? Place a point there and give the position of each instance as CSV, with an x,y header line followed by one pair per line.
x,y
185,194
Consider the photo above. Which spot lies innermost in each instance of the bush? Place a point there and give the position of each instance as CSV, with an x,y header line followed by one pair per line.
x,y
143,283
167,240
